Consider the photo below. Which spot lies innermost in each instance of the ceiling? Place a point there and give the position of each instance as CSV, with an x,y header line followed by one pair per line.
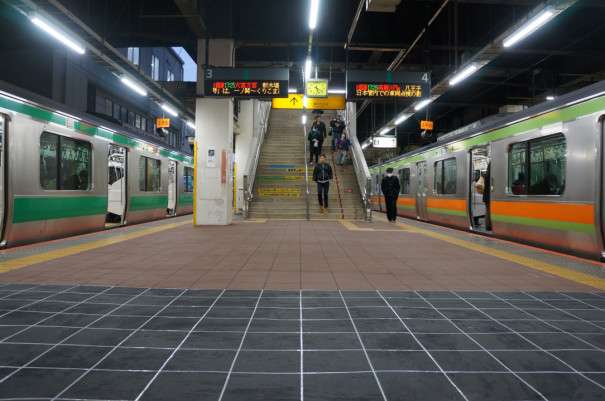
x,y
565,54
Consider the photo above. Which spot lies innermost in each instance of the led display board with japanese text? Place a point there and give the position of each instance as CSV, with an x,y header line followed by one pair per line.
x,y
246,83
396,85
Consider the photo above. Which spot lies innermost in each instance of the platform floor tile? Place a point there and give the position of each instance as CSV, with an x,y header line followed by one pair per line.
x,y
126,343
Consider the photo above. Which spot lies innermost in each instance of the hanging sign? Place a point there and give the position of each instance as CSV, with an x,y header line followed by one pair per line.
x,y
396,85
163,123
246,83
426,125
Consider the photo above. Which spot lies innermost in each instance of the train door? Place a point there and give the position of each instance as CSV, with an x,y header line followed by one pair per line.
x,y
116,184
421,212
2,167
172,188
378,191
478,167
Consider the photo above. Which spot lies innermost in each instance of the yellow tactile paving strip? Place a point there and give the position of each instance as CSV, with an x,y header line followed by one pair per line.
x,y
522,260
352,227
43,257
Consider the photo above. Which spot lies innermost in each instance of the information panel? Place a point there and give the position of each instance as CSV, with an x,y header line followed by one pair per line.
x,y
395,85
246,83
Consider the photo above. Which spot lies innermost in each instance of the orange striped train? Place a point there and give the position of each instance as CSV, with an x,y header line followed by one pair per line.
x,y
547,180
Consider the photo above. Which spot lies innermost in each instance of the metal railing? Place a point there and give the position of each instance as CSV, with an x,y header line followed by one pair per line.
x,y
305,143
262,110
362,172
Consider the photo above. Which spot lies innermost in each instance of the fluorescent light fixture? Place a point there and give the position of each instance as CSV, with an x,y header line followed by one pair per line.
x,y
191,124
462,75
304,119
57,34
305,101
291,90
313,16
138,89
337,91
170,110
422,104
530,26
550,97
385,130
308,66
401,119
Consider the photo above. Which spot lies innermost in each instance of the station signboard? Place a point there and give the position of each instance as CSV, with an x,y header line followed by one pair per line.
x,y
295,101
396,85
246,83
384,142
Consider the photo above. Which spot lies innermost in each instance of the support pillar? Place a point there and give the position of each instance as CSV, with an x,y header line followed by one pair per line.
x,y
213,144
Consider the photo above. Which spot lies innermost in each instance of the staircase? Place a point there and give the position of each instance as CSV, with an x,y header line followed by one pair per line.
x,y
279,187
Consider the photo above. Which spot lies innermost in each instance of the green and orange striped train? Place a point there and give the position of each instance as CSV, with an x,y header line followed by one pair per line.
x,y
63,172
547,176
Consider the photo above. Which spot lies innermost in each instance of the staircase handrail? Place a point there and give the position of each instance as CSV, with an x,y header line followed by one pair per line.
x,y
362,172
263,113
305,144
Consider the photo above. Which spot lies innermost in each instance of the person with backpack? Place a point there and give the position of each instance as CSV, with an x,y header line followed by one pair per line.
x,y
316,140
342,145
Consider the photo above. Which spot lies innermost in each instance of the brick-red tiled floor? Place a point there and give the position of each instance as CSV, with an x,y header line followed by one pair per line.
x,y
291,255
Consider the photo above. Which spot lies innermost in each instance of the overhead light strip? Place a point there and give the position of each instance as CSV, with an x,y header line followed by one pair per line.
x,y
137,88
57,34
465,73
422,104
170,110
313,14
530,27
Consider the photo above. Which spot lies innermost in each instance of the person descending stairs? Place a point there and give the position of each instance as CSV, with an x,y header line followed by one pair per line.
x,y
279,187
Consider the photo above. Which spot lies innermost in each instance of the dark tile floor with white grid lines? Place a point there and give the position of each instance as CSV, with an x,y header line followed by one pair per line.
x,y
62,342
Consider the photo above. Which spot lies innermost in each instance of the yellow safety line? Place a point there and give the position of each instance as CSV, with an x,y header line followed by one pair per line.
x,y
43,257
352,227
578,277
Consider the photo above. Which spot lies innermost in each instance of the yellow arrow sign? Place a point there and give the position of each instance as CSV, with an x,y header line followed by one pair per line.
x,y
295,101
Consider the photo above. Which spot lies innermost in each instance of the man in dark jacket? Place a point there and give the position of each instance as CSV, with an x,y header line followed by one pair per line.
x,y
390,188
322,175
338,127
321,126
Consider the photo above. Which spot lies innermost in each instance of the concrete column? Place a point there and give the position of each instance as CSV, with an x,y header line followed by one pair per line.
x,y
213,144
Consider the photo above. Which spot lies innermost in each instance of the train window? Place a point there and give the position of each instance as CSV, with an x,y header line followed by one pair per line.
x,y
547,162
445,177
108,107
149,174
65,163
537,167
188,179
404,177
517,169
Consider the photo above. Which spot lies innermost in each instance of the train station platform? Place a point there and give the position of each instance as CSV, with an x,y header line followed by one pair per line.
x,y
287,309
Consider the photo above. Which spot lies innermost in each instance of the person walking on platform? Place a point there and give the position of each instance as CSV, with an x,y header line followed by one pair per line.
x,y
342,145
337,126
390,188
316,140
322,175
